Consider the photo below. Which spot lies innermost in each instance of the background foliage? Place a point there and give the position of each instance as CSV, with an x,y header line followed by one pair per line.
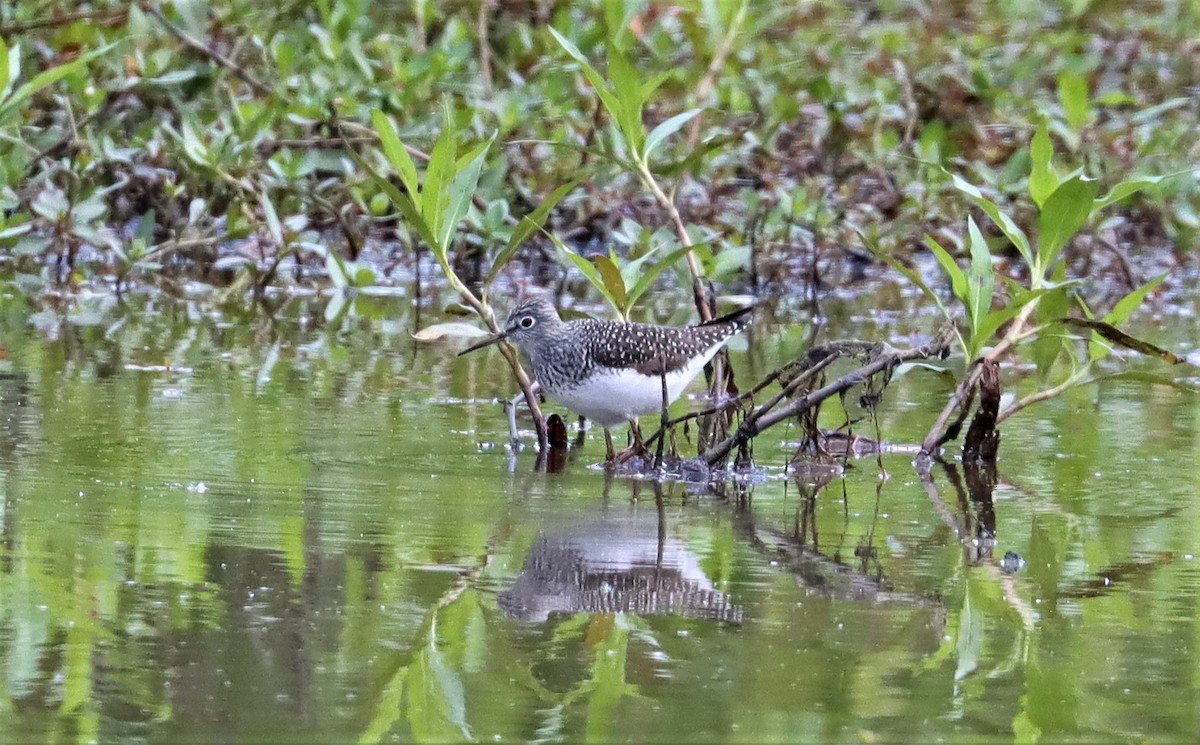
x,y
198,147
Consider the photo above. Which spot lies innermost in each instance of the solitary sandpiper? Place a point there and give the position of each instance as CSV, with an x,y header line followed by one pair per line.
x,y
607,371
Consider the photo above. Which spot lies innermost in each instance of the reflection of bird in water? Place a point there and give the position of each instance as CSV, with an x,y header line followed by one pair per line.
x,y
614,564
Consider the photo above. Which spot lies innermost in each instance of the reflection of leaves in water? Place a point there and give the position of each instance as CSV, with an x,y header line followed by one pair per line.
x,y
607,685
437,707
969,644
427,691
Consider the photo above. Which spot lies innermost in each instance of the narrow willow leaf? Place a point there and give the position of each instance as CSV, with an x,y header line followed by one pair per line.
x,y
958,278
1042,178
912,276
654,83
402,201
611,275
395,152
1050,342
1064,213
646,278
462,188
589,270
1120,338
1125,189
6,69
47,78
529,223
606,96
336,267
1073,97
1007,226
628,88
1143,376
274,227
1127,305
666,129
981,280
435,197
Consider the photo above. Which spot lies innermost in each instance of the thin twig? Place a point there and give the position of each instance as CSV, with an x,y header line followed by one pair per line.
x,y
735,401
199,46
107,17
764,417
267,147
1033,398
484,311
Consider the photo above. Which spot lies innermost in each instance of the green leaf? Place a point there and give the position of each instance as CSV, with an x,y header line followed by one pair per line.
x,y
1007,226
1064,213
912,276
451,330
666,129
462,188
395,152
1143,376
529,223
1073,96
607,98
647,277
1049,342
611,275
628,88
958,279
1042,178
1127,305
990,324
47,78
617,16
336,267
8,66
274,227
435,197
403,202
589,270
1125,189
981,280
653,84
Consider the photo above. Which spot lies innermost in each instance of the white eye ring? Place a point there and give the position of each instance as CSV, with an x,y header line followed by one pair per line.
x,y
527,322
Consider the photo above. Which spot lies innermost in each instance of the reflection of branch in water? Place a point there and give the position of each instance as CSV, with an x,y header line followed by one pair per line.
x,y
821,574
615,563
976,532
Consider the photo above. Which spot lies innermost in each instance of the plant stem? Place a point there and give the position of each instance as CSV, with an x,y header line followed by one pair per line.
x,y
1016,332
703,306
484,311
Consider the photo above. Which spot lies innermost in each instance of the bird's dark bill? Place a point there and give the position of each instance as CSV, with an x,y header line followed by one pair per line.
x,y
494,339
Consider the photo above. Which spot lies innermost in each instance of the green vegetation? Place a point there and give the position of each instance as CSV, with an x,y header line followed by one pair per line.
x,y
229,152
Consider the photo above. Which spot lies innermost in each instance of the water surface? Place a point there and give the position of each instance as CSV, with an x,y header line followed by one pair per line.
x,y
274,529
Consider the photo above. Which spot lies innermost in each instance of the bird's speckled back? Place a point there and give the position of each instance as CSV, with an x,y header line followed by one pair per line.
x,y
564,353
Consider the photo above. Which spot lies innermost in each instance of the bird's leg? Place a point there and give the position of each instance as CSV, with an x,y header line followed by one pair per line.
x,y
638,448
510,408
610,455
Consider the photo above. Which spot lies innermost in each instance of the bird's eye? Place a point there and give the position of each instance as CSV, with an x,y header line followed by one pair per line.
x,y
527,322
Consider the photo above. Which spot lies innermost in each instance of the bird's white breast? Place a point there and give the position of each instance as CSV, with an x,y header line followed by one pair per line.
x,y
611,396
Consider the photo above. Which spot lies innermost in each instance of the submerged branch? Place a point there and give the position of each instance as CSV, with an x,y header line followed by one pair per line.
x,y
769,415
961,398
